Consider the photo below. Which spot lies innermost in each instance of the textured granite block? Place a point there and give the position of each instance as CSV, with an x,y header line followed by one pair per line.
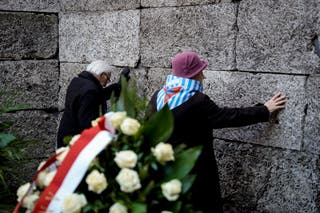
x,y
98,5
28,36
209,30
139,78
311,136
277,36
156,79
293,184
38,128
112,36
236,89
161,3
30,5
32,83
262,179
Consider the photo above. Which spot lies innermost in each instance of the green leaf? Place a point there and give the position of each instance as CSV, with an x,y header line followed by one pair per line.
x,y
139,208
159,127
13,108
5,124
5,139
177,206
183,164
125,102
187,182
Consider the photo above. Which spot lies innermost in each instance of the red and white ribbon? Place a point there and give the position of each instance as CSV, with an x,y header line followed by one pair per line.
x,y
74,166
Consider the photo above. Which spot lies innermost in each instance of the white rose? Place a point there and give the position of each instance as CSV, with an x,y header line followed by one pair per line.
x,y
117,118
95,122
41,176
74,139
130,126
41,179
30,201
163,152
64,151
166,212
128,180
96,181
22,190
40,165
118,208
49,177
126,159
171,189
74,203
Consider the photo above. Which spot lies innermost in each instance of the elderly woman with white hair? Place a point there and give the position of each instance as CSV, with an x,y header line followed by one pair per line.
x,y
86,97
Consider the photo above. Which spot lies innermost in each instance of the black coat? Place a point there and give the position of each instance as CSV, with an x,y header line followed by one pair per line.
x,y
194,121
85,101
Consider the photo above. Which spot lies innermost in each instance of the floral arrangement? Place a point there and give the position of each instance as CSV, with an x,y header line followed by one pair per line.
x,y
136,172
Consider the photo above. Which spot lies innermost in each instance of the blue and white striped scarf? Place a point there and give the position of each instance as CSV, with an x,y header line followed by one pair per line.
x,y
176,91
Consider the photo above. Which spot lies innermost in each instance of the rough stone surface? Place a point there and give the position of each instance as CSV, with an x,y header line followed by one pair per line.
x,y
156,79
39,128
208,29
139,78
31,83
161,3
111,36
28,36
254,49
98,5
263,179
30,5
311,136
277,36
237,89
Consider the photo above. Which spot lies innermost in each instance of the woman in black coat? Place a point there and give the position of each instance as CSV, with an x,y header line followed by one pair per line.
x,y
195,115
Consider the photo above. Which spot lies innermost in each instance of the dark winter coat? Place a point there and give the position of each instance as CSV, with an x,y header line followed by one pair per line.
x,y
85,101
194,121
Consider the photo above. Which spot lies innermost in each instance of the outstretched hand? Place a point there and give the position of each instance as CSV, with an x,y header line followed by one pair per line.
x,y
277,102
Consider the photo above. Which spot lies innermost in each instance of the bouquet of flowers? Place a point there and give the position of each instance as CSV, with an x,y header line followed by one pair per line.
x,y
122,164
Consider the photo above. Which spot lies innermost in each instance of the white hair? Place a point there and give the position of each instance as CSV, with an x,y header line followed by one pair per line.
x,y
99,66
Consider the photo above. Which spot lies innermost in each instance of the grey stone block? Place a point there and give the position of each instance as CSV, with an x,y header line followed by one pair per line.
x,y
238,89
31,83
111,36
28,36
311,133
38,128
263,179
277,36
208,30
156,80
293,185
30,5
98,5
161,3
139,78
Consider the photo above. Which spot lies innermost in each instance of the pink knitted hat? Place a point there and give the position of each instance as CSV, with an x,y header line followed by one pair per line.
x,y
187,64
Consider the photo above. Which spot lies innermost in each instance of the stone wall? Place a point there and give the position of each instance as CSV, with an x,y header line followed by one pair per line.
x,y
254,48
